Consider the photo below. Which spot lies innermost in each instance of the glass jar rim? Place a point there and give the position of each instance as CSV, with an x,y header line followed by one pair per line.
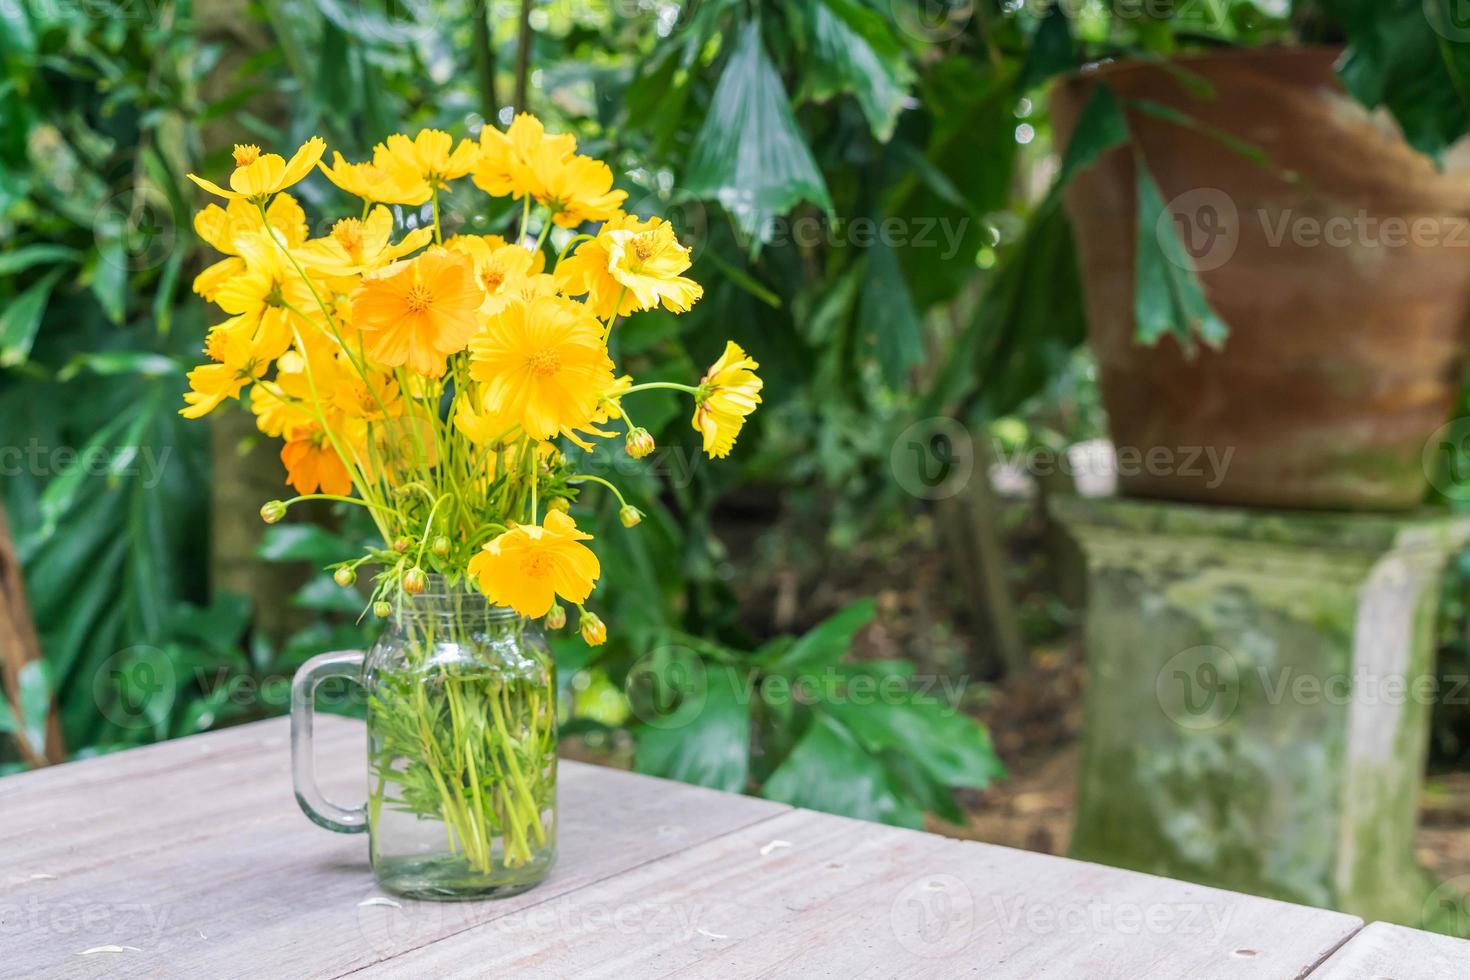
x,y
438,592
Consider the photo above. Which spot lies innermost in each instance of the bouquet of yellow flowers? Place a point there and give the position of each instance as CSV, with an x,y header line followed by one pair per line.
x,y
434,376
430,380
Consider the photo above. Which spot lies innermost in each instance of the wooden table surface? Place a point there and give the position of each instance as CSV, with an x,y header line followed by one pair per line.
x,y
190,859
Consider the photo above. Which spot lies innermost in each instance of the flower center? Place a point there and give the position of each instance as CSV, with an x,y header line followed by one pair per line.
x,y
536,565
492,279
419,298
348,234
246,154
643,248
544,363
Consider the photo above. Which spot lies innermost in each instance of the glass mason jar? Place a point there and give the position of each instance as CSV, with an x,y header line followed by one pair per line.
x,y
461,724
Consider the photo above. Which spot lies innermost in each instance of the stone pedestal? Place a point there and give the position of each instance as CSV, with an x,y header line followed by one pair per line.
x,y
1258,695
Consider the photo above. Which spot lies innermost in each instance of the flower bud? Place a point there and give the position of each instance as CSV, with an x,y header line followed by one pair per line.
x,y
558,503
344,577
593,629
400,545
382,609
557,617
630,515
440,546
640,442
273,511
415,581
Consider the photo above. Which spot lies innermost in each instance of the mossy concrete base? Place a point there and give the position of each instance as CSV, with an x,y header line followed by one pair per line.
x,y
1258,696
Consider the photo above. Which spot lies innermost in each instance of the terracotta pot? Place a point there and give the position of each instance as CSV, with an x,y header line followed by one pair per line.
x,y
1346,289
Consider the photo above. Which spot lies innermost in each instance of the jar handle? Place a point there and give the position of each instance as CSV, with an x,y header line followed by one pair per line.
x,y
322,811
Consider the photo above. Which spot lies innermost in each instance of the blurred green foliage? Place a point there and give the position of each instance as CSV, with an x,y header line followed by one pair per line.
x,y
865,189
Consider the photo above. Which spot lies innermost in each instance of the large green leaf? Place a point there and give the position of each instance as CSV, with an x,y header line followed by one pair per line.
x,y
825,644
829,770
1167,295
1412,57
713,748
887,316
854,51
949,745
750,155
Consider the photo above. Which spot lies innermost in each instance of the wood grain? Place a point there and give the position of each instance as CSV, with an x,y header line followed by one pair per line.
x,y
806,895
1385,952
195,853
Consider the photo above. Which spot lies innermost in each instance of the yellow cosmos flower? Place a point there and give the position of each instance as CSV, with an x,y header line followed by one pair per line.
x,y
543,364
637,260
728,393
312,464
372,183
218,227
475,422
236,364
356,247
527,567
418,312
259,175
421,165
510,162
648,261
578,189
269,298
500,269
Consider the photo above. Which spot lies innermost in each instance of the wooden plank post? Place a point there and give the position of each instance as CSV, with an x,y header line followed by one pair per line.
x,y
20,645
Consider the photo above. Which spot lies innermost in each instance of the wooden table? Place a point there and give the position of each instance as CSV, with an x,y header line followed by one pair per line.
x,y
190,859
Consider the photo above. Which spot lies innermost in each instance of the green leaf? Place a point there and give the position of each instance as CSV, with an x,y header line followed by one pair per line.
x,y
8,723
302,542
1410,57
749,154
22,318
853,51
826,643
951,747
23,258
713,748
322,594
829,770
1167,295
1101,127
887,315
1051,52
144,363
110,276
35,702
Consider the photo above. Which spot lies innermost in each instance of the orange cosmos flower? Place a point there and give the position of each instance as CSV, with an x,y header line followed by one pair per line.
x,y
418,312
312,464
